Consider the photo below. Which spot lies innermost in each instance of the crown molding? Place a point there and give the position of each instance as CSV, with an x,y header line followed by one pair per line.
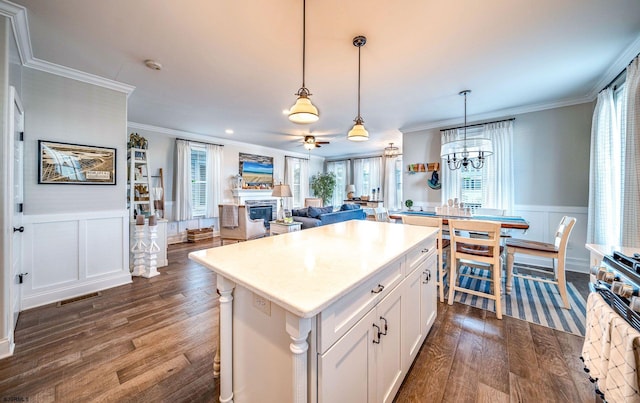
x,y
499,114
17,14
209,139
617,67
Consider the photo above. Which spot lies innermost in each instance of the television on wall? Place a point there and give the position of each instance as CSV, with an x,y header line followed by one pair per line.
x,y
256,171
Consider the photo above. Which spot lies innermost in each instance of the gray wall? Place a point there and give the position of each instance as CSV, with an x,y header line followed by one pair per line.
x,y
65,110
162,155
550,154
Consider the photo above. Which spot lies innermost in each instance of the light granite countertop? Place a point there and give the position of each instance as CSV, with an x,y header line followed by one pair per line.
x,y
306,271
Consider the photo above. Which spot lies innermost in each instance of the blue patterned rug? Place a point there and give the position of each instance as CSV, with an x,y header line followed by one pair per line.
x,y
533,301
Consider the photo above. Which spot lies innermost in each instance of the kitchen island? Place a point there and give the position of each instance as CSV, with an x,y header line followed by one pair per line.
x,y
333,313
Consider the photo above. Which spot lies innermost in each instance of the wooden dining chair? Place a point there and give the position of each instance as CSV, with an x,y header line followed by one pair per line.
x,y
556,251
442,245
484,252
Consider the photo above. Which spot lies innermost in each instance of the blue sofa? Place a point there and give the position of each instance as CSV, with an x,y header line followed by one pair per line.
x,y
311,217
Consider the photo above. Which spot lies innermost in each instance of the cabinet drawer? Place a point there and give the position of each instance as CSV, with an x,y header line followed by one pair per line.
x,y
337,319
418,254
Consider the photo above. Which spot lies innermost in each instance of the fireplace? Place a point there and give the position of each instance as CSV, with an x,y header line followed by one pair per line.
x,y
266,209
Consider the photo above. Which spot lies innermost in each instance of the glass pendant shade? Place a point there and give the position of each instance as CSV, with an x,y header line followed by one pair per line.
x,y
358,132
303,111
471,147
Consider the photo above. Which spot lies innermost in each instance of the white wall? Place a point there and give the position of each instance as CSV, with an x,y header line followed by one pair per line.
x,y
551,167
76,236
162,155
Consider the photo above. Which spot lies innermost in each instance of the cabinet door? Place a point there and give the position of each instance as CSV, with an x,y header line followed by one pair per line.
x,y
412,326
389,351
429,294
346,372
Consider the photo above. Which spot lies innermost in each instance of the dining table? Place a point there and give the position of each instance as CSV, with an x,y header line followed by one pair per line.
x,y
506,222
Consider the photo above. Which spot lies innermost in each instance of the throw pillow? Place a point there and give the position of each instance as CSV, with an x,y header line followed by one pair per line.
x,y
314,212
346,207
303,212
328,209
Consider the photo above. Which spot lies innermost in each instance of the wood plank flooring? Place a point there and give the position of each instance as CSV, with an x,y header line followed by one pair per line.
x,y
154,340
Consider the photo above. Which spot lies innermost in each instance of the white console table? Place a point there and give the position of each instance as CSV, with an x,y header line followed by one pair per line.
x,y
342,309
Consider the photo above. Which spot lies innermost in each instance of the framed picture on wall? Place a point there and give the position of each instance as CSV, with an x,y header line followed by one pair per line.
x,y
64,163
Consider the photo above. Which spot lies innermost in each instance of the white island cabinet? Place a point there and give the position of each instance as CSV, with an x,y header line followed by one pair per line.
x,y
330,314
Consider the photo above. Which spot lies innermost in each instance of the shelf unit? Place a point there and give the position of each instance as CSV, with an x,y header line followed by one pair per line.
x,y
139,196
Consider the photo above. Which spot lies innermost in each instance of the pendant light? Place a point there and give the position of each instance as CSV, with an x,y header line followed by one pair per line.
x,y
391,151
303,110
358,132
464,153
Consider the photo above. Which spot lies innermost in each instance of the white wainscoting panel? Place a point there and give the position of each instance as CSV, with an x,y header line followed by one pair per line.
x,y
68,255
543,222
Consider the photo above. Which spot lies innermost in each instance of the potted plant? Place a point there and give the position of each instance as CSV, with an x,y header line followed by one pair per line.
x,y
409,204
323,185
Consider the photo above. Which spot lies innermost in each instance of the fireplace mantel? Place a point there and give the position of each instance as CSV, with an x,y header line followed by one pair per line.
x,y
242,195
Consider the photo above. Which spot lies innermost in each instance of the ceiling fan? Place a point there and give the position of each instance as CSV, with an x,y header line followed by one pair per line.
x,y
310,142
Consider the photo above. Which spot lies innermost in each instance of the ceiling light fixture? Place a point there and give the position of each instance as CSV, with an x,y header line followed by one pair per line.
x,y
358,132
303,110
462,153
229,131
309,145
391,151
152,64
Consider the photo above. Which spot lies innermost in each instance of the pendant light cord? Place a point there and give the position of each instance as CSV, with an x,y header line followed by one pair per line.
x,y
359,48
304,37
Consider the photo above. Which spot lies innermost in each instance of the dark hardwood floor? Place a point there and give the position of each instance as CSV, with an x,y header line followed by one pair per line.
x,y
154,340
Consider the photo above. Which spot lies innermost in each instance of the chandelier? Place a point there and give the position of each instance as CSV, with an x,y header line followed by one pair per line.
x,y
391,151
465,153
303,110
358,132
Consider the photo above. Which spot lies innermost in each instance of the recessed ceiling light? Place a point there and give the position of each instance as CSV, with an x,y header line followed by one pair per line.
x,y
229,131
152,64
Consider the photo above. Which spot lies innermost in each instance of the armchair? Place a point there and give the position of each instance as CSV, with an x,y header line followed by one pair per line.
x,y
245,230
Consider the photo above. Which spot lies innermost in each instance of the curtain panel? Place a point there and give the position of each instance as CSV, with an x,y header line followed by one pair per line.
x,y
498,169
631,189
214,179
450,178
605,173
183,181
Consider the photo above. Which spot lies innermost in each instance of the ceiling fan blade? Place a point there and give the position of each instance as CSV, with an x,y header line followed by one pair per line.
x,y
318,145
323,142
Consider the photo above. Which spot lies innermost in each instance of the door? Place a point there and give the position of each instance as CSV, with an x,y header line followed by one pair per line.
x,y
429,294
16,129
389,351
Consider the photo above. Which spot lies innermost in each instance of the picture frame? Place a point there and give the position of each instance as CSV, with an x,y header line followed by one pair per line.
x,y
256,171
76,164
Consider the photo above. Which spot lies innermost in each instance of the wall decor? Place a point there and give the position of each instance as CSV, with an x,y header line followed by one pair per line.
x,y
256,171
66,163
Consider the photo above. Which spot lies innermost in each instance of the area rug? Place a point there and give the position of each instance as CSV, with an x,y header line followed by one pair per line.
x,y
533,301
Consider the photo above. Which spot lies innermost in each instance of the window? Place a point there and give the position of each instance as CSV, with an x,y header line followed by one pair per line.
x,y
341,171
471,189
367,175
198,181
296,172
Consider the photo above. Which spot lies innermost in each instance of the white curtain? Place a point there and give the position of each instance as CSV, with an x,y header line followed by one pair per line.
x,y
631,189
390,193
214,179
498,169
341,171
605,173
367,175
450,178
183,181
290,179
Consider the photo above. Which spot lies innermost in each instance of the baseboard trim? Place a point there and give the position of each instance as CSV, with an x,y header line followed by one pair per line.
x,y
75,290
6,348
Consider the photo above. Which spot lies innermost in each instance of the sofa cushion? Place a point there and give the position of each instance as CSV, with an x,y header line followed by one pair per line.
x,y
303,212
346,207
307,222
315,212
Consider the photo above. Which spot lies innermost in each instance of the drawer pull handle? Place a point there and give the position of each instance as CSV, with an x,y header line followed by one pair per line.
x,y
377,334
424,250
427,274
385,326
378,289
